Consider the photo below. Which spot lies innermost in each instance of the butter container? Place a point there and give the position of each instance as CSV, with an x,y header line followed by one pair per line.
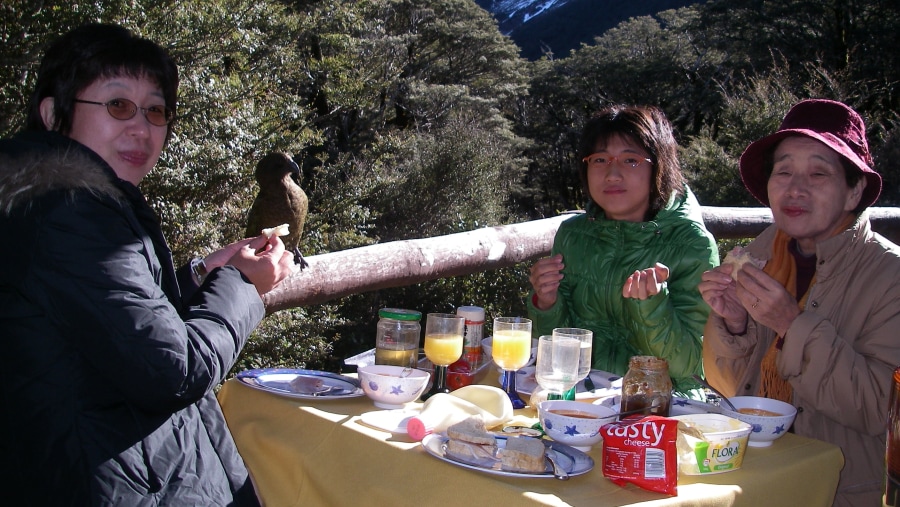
x,y
710,443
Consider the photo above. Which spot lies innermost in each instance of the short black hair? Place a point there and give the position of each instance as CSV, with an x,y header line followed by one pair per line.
x,y
648,127
90,52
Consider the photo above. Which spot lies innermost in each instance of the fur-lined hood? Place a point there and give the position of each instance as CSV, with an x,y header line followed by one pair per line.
x,y
35,163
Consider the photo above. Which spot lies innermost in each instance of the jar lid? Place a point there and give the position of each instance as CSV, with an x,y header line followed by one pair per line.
x,y
471,312
399,314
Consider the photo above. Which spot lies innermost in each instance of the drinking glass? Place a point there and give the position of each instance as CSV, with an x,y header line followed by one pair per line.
x,y
586,337
557,364
511,350
443,346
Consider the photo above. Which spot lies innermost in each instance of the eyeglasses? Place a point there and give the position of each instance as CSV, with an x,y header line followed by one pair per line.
x,y
604,160
124,109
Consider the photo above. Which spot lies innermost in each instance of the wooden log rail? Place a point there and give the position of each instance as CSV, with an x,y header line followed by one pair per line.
x,y
400,263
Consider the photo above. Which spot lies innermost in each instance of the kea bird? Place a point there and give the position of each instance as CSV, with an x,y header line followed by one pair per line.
x,y
280,201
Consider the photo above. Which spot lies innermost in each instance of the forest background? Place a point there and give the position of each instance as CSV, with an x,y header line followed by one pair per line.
x,y
414,118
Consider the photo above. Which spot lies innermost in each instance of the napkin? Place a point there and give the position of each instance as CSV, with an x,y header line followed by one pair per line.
x,y
443,410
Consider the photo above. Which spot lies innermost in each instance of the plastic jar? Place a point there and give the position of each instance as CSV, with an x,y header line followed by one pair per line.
x,y
397,339
474,331
647,386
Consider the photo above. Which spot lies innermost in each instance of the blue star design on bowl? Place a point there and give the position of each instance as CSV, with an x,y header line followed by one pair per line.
x,y
680,402
373,386
756,428
396,390
548,425
779,429
572,430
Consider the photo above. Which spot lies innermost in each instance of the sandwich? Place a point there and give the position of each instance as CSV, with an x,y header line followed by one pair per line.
x,y
469,441
523,454
737,257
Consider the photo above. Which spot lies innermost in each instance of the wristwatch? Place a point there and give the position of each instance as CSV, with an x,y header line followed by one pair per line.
x,y
198,269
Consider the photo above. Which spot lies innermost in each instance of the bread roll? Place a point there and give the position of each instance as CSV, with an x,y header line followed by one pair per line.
x,y
737,257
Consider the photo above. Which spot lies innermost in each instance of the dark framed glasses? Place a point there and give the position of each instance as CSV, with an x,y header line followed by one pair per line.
x,y
124,109
603,160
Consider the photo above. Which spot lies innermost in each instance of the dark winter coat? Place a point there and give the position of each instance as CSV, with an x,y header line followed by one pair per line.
x,y
109,368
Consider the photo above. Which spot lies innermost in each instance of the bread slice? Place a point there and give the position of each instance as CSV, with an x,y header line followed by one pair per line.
x,y
523,454
469,441
737,257
471,430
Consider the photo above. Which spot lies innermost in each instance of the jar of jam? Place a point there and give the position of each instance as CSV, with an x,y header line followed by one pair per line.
x,y
647,386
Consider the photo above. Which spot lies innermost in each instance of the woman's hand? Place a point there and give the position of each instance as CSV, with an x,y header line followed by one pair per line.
x,y
645,283
767,301
719,290
545,276
221,257
264,261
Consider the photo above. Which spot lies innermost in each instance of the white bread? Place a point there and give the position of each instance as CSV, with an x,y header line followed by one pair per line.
x,y
737,257
280,230
523,454
469,441
471,430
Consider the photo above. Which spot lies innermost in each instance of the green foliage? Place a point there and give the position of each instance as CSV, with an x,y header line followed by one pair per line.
x,y
414,118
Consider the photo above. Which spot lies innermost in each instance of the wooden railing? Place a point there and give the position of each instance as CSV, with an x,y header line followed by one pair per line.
x,y
400,263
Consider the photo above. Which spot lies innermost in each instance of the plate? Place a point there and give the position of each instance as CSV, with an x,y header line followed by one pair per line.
x,y
684,406
573,461
605,384
278,381
393,421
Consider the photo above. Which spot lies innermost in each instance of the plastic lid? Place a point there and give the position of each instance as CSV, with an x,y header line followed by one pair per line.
x,y
474,313
399,314
418,429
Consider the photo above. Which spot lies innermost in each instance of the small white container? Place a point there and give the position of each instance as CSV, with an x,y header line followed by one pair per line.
x,y
722,450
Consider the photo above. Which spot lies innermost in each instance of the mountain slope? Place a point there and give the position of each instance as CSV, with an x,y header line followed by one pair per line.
x,y
555,27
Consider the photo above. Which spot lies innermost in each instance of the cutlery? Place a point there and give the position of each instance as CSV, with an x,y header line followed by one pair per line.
x,y
558,471
713,389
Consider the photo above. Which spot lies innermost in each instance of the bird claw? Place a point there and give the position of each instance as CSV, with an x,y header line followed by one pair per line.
x,y
298,259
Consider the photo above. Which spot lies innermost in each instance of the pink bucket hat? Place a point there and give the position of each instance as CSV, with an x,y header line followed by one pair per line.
x,y
832,123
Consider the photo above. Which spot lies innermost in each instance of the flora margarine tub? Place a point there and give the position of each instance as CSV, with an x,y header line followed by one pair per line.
x,y
710,443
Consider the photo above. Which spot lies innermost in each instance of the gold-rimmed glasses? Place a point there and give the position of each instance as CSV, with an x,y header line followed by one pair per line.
x,y
603,160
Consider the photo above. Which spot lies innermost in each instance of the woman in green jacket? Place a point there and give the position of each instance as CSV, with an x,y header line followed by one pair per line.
x,y
628,268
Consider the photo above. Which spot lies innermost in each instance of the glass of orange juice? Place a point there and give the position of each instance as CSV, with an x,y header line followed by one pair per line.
x,y
443,346
511,350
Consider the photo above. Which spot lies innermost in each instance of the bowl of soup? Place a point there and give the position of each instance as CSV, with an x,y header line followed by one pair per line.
x,y
574,423
769,419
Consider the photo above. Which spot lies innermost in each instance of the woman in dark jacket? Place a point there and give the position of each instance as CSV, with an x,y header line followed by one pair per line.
x,y
111,356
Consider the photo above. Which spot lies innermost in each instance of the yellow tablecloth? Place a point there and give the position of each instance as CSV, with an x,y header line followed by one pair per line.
x,y
318,453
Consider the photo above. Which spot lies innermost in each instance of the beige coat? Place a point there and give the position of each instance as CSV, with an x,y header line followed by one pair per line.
x,y
838,355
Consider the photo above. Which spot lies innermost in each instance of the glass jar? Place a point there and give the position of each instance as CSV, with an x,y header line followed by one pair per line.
x,y
397,338
647,386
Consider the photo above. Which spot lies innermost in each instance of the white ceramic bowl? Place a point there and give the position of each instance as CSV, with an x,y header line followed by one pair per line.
x,y
486,346
580,431
766,429
392,386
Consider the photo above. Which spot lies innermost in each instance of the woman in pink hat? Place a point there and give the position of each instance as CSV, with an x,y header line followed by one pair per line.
x,y
817,325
